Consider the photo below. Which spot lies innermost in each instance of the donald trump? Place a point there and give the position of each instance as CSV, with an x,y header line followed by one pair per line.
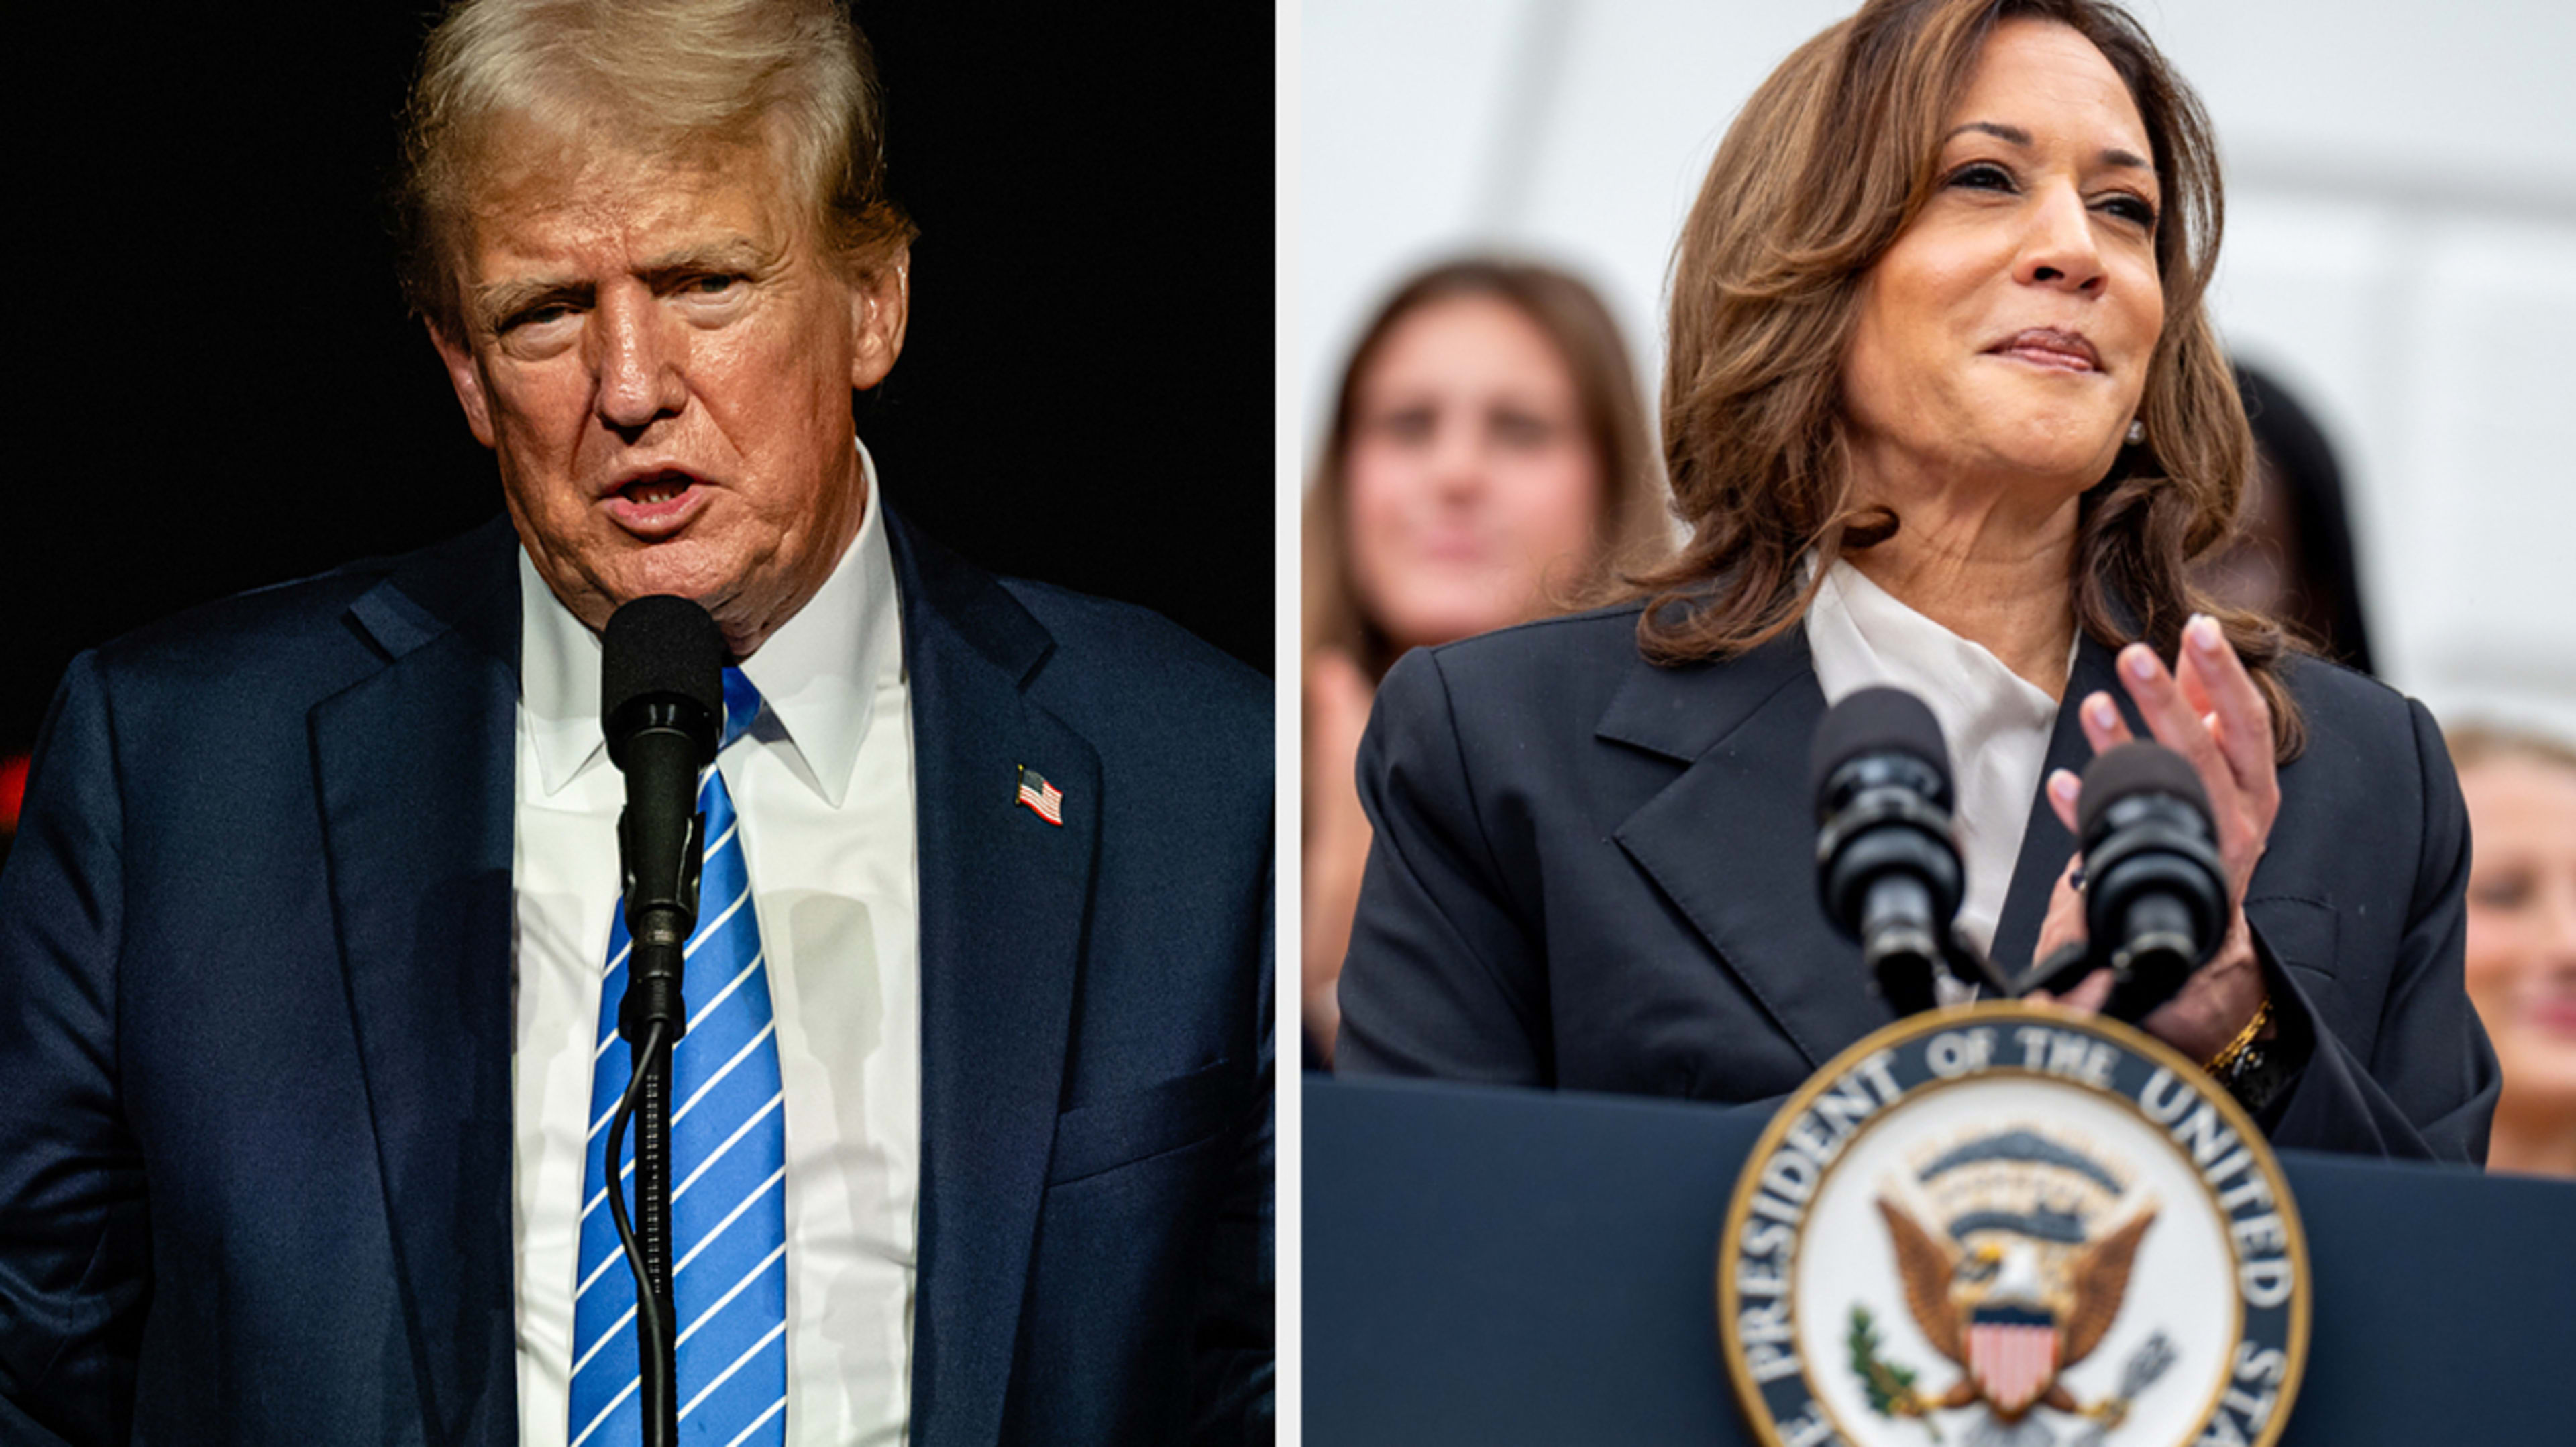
x,y
310,918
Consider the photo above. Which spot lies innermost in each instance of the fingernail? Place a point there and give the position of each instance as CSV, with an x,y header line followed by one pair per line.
x,y
2098,711
2064,786
2204,633
2139,661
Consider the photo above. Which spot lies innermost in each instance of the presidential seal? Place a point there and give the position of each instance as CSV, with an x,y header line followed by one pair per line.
x,y
2009,1226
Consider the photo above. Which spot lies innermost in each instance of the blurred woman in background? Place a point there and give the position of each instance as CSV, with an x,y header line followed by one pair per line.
x,y
2292,557
2521,790
1488,462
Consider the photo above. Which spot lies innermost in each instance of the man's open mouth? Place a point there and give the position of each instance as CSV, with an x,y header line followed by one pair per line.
x,y
658,487
657,503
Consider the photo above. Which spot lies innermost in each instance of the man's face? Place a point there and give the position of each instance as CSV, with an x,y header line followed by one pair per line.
x,y
661,356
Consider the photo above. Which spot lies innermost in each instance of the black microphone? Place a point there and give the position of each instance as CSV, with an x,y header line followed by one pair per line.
x,y
2155,889
661,697
1887,868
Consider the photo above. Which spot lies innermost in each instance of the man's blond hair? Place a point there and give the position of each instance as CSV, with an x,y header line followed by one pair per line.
x,y
672,78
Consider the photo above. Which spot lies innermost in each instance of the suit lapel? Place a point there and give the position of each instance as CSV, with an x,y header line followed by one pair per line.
x,y
1731,841
2045,844
1004,896
413,769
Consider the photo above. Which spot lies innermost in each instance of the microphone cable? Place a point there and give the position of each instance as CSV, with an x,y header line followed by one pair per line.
x,y
652,1329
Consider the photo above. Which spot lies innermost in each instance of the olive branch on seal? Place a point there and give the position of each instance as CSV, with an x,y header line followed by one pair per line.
x,y
1890,1387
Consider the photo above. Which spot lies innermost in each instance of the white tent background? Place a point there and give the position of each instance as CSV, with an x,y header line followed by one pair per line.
x,y
2400,247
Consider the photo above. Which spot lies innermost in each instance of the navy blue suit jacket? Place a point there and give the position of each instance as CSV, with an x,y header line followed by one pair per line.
x,y
255,948
1596,874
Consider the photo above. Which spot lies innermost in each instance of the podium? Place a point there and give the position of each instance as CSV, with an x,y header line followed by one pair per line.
x,y
1495,1267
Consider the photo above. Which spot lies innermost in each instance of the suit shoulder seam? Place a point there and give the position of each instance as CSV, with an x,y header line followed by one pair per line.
x,y
1561,620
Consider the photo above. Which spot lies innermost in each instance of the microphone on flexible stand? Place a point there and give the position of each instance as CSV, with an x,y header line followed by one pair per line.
x,y
661,707
1887,867
2155,890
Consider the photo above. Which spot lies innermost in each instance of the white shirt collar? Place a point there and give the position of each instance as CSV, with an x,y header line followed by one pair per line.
x,y
818,674
1862,634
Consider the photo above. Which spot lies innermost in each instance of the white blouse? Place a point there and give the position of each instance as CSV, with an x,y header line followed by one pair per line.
x,y
1996,722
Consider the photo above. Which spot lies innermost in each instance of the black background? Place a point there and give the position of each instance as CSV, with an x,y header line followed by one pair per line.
x,y
215,385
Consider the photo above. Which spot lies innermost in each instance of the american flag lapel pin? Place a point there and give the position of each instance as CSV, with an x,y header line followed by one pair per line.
x,y
1042,798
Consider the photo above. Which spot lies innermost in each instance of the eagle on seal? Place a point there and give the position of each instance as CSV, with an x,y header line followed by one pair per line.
x,y
2013,1310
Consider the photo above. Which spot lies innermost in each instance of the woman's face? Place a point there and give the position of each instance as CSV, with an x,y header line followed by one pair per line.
x,y
2522,921
2007,331
1473,483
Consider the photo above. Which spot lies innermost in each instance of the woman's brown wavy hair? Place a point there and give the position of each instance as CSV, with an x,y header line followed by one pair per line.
x,y
1828,163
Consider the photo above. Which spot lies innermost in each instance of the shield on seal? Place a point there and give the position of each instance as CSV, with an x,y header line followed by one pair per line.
x,y
2012,1352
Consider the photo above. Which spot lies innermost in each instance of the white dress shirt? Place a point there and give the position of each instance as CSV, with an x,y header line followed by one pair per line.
x,y
823,786
1996,722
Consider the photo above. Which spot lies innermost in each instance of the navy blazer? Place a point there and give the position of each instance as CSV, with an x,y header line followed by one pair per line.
x,y
255,944
1596,874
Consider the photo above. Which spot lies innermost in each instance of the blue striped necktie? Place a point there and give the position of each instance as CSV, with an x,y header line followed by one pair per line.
x,y
728,1174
